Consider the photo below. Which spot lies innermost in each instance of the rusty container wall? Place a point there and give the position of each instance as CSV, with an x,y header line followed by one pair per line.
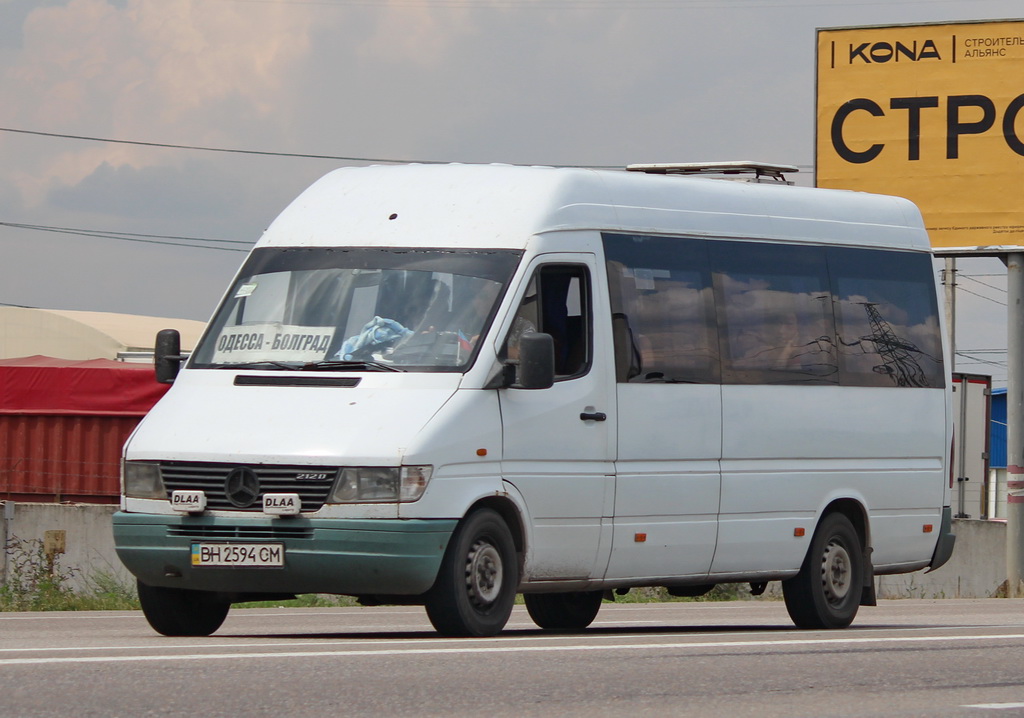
x,y
50,457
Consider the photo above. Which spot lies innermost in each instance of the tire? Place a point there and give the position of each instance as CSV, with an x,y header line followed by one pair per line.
x,y
826,593
180,611
564,611
476,585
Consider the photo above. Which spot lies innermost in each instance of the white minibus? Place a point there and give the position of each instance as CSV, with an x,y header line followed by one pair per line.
x,y
447,385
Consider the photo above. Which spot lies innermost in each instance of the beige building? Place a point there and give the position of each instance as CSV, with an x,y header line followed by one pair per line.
x,y
78,335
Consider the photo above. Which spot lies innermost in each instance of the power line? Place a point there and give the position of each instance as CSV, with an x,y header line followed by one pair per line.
x,y
209,149
587,4
982,296
978,360
984,284
268,153
164,239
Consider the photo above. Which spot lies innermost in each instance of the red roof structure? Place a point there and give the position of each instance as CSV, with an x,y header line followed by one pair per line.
x,y
63,423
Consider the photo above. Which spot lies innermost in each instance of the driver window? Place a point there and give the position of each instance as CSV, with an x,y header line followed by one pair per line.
x,y
557,302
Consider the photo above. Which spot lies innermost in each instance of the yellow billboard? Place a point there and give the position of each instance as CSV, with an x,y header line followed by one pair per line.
x,y
934,113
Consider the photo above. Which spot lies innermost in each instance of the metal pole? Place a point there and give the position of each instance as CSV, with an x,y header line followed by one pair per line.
x,y
1015,425
949,282
8,518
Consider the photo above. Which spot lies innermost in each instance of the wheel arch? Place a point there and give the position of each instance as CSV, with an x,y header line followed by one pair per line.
x,y
510,514
854,510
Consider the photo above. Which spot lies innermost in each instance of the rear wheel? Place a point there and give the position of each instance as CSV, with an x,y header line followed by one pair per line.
x,y
564,611
180,611
476,586
826,593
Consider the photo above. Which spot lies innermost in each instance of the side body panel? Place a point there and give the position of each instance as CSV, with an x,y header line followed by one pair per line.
x,y
561,463
789,451
667,480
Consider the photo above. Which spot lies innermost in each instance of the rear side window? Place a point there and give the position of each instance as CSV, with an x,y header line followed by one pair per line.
x,y
887,318
745,312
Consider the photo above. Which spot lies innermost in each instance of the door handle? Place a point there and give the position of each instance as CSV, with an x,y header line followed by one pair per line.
x,y
593,416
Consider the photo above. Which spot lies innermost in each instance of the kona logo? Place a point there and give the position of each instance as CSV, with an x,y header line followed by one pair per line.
x,y
878,53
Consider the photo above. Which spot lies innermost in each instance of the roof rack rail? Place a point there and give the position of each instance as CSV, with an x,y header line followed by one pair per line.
x,y
760,170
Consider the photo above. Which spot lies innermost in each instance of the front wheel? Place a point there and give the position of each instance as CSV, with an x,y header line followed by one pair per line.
x,y
181,611
564,611
476,586
826,593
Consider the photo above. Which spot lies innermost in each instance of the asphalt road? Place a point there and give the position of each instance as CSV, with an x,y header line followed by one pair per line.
x,y
902,658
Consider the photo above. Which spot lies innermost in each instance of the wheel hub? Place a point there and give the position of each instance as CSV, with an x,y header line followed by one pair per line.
x,y
836,570
483,573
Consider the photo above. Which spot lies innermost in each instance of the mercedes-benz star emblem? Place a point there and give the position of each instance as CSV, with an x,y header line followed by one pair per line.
x,y
242,487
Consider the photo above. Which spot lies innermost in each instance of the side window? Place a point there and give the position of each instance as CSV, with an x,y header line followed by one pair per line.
x,y
887,318
663,318
775,314
557,302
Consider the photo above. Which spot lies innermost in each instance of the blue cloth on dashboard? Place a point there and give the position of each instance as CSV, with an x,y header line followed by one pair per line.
x,y
378,334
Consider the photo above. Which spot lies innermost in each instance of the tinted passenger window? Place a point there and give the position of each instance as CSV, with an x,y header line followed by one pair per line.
x,y
747,312
887,318
774,314
662,309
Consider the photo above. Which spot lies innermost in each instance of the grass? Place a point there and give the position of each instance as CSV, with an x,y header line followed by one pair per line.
x,y
305,600
37,581
660,594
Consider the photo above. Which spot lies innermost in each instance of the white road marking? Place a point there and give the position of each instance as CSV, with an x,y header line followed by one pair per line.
x,y
509,649
204,643
995,706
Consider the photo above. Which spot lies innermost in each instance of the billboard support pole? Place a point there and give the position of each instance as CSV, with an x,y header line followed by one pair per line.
x,y
1015,425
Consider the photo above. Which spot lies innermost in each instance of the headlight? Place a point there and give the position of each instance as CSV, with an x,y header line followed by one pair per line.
x,y
380,484
142,480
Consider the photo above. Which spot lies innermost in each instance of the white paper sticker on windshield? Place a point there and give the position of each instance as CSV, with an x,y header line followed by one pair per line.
x,y
272,342
245,290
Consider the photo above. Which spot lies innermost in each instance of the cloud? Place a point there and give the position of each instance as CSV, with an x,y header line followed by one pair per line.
x,y
146,70
149,193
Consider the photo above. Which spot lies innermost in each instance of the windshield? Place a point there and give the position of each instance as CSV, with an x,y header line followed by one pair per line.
x,y
357,308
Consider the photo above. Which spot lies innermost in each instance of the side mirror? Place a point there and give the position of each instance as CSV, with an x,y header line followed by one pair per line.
x,y
167,356
536,368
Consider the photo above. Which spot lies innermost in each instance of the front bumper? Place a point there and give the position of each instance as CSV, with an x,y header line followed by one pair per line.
x,y
339,556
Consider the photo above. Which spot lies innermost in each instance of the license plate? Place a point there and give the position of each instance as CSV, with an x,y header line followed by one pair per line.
x,y
237,554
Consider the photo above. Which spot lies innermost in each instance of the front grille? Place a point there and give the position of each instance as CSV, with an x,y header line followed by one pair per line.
x,y
210,478
245,533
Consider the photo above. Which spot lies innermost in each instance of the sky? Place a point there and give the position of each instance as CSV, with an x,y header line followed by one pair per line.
x,y
144,229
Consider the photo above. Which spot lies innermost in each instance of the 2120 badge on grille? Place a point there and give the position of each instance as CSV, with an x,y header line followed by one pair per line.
x,y
238,554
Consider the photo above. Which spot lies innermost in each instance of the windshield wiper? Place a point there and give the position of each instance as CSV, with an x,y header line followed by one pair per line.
x,y
354,364
257,365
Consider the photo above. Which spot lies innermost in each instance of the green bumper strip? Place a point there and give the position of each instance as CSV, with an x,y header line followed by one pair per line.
x,y
340,556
